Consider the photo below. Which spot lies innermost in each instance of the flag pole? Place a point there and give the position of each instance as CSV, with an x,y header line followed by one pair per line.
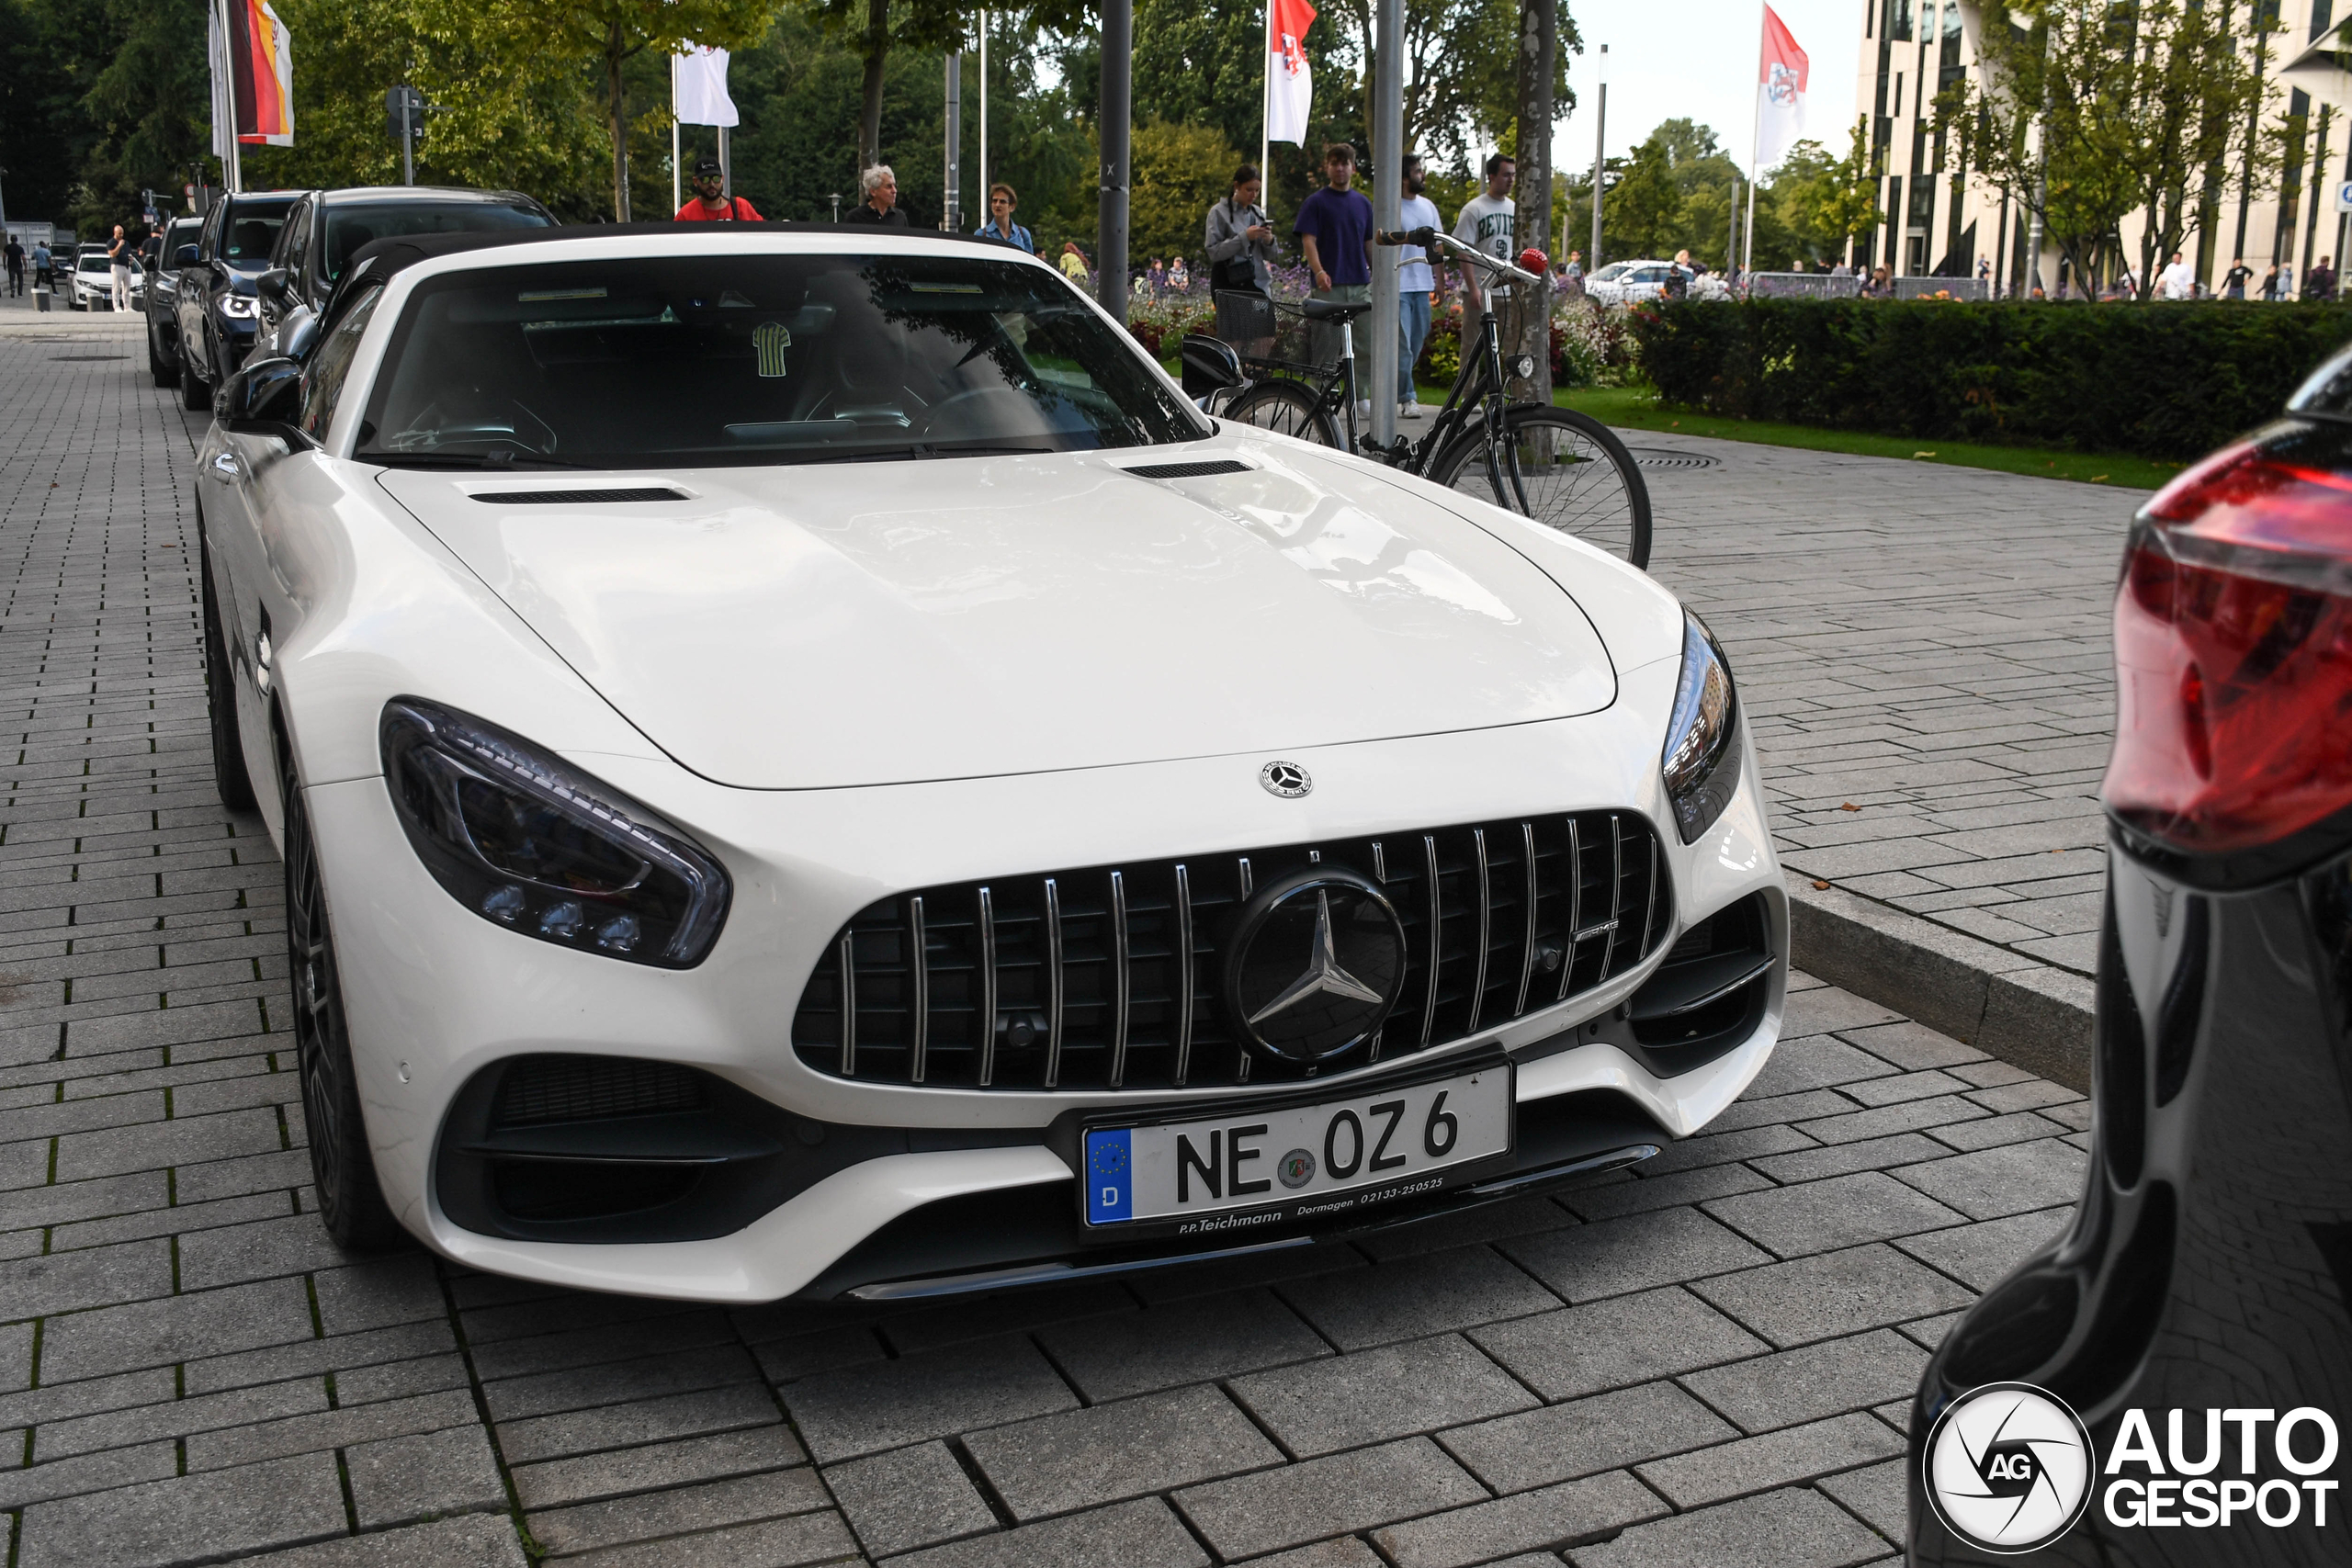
x,y
1265,116
677,185
1755,145
986,210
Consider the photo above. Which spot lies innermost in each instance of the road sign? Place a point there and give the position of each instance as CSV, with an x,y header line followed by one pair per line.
x,y
2344,196
403,113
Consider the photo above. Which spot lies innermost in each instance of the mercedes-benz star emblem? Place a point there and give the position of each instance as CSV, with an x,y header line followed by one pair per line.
x,y
1286,779
1316,960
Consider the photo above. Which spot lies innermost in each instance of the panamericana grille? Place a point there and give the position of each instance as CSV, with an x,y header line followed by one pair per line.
x,y
1109,977
585,1089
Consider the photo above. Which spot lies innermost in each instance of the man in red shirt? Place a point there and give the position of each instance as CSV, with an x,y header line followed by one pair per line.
x,y
709,206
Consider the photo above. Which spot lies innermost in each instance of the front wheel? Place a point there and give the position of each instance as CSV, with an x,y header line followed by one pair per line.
x,y
1287,407
195,395
1574,474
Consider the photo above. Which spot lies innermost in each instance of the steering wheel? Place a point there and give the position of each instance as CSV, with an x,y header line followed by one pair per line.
x,y
979,400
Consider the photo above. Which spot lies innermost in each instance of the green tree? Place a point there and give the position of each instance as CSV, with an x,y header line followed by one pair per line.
x,y
1178,173
1823,202
149,104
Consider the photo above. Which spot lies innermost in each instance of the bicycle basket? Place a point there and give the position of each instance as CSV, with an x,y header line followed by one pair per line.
x,y
1270,335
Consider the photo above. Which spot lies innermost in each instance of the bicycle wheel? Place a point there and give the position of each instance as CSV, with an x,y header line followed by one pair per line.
x,y
1578,476
1286,406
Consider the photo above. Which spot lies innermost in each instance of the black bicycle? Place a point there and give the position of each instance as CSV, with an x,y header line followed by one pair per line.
x,y
1558,467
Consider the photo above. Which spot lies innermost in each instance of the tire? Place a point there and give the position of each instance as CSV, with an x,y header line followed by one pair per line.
x,y
165,369
1578,476
1286,407
195,396
229,776
351,1200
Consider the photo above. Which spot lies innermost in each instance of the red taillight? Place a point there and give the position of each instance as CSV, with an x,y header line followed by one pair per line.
x,y
2233,656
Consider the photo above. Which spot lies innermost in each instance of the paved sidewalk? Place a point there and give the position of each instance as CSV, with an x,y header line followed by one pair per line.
x,y
1707,1362
1925,655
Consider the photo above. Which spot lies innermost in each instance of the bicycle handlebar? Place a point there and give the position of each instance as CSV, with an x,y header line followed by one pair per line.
x,y
1430,239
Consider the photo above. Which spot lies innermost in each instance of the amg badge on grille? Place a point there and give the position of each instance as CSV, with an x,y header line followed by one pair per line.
x,y
1286,779
1316,960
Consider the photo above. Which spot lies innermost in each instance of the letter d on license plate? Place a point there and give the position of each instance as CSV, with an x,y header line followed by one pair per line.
x,y
1299,1160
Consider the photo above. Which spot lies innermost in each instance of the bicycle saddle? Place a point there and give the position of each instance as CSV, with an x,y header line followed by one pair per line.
x,y
1331,310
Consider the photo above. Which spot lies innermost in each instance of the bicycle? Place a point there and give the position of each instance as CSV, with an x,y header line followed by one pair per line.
x,y
1555,465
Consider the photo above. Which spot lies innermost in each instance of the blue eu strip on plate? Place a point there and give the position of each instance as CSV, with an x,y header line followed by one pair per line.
x,y
1110,1176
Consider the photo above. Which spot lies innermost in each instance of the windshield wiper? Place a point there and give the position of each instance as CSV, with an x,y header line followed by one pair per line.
x,y
465,460
918,450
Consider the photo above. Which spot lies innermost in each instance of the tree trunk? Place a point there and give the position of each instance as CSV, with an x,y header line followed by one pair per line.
x,y
877,50
1539,44
614,55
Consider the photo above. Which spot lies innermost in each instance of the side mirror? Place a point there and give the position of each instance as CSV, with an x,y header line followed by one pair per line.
x,y
274,285
264,391
297,334
1210,365
184,256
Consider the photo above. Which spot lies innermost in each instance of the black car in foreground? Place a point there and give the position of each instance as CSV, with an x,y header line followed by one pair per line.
x,y
2168,1380
175,248
217,309
327,226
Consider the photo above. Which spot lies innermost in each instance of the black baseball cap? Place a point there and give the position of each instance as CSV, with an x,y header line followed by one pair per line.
x,y
706,167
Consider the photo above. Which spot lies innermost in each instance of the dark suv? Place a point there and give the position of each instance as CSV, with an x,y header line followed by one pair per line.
x,y
217,309
326,227
174,249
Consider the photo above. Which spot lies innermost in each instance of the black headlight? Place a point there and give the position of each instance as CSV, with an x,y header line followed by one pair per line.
x,y
1701,758
531,843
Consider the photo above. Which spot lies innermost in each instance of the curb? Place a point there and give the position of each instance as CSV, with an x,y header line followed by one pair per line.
x,y
2027,1013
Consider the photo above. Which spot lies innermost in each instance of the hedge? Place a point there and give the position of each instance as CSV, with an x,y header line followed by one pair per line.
x,y
2162,381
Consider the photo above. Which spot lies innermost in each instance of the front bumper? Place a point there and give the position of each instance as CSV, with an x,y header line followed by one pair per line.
x,y
436,995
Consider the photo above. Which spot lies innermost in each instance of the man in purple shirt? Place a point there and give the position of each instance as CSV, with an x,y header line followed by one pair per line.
x,y
1334,230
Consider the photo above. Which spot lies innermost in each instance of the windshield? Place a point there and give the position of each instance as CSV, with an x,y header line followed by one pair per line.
x,y
94,260
251,230
1612,272
348,227
757,359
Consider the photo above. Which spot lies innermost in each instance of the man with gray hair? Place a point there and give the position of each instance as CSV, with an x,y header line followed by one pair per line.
x,y
881,203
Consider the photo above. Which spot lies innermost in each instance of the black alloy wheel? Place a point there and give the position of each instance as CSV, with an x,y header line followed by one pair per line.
x,y
229,776
164,367
195,396
351,1200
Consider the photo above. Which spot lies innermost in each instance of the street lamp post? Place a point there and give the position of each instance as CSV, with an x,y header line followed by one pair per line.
x,y
1388,202
1111,197
1600,144
951,211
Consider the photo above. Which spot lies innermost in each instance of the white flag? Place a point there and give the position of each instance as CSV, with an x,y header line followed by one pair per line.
x,y
698,88
1781,86
1290,89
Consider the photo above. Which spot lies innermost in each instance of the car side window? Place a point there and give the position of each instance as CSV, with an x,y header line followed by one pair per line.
x,y
330,365
296,236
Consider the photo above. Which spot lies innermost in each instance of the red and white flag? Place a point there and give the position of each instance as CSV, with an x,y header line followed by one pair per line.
x,y
252,76
1780,84
1290,90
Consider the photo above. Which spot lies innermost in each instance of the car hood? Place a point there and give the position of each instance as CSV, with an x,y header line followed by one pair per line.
x,y
827,626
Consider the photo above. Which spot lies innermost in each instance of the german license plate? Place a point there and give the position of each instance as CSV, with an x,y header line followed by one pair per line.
x,y
1297,1162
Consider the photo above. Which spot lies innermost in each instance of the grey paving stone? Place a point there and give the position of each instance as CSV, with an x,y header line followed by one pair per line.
x,y
1154,1442
1489,1222
1584,1437
1339,1495
1929,1332
1341,1551
801,1355
1880,1493
864,1409
628,1425
2010,1180
179,1417
1842,1211
295,1244
1980,1255
1776,1458
1813,1380
1186,1341
330,1429
1616,1343
347,1355
1549,1517
645,1377
1613,1257
1829,1007
796,1538
1883,1120
1843,1159
177,1328
557,1482
1419,1386
1832,1293
679,1511
399,1480
101,1275
378,1293
87,1472
1408,1297
908,1497
450,1543
1784,1108
1142,1533
1664,1191
957,1322
1780,1529
152,1147
1270,1267
189,1518
1904,1087
1716,1149
1914,1047
1818,1061
2017,1127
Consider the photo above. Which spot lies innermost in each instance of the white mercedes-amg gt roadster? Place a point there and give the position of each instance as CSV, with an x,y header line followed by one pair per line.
x,y
805,765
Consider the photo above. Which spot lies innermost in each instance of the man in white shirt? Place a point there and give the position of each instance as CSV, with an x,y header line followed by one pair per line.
x,y
1414,284
2178,281
1487,222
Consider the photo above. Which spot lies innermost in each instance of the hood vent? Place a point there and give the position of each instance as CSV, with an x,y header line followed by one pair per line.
x,y
576,497
1189,470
